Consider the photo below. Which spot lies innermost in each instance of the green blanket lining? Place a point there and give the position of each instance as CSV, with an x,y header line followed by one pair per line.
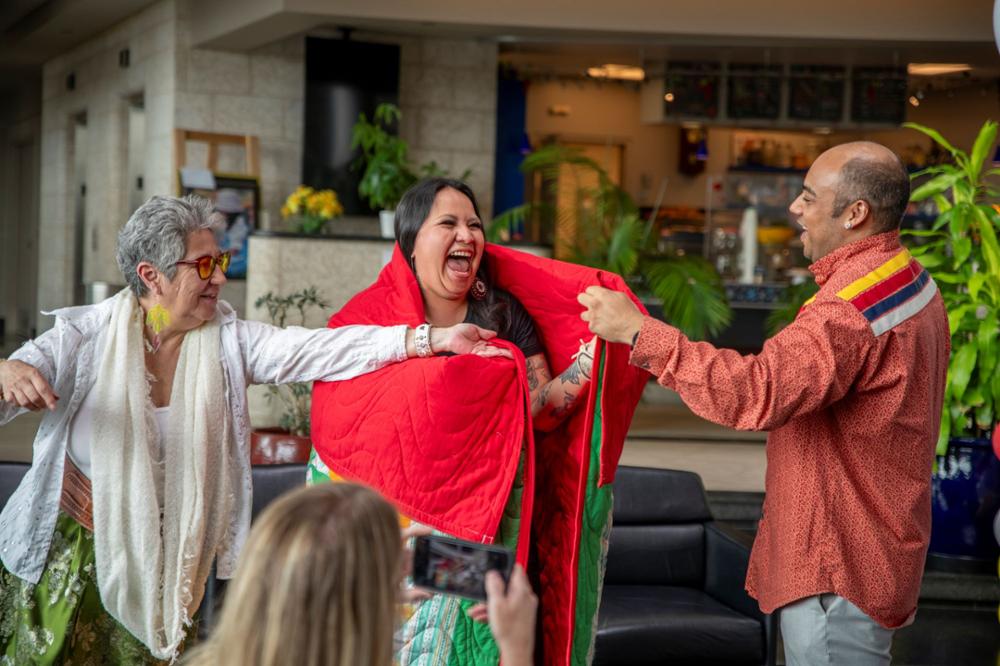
x,y
593,543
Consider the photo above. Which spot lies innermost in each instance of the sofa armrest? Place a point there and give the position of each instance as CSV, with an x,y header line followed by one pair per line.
x,y
727,556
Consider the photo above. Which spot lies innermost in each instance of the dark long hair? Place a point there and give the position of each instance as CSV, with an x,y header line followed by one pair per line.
x,y
412,212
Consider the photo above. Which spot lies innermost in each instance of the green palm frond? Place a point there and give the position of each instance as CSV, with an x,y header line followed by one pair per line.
x,y
791,303
693,297
623,246
507,220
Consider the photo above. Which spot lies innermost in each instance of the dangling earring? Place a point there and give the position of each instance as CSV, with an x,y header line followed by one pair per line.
x,y
158,318
478,290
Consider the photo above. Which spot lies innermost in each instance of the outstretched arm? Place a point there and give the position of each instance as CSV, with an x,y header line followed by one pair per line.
x,y
811,363
27,377
552,400
294,354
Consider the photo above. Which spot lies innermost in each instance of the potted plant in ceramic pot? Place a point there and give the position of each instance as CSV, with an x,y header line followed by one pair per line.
x,y
289,442
387,171
961,251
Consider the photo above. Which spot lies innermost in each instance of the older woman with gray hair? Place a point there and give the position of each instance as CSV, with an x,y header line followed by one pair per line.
x,y
141,470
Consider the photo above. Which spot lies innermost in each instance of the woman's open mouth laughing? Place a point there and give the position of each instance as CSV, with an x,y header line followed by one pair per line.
x,y
458,265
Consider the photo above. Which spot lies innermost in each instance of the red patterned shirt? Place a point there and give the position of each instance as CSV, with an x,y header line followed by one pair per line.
x,y
852,393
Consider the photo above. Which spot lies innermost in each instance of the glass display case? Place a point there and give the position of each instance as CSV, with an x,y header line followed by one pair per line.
x,y
750,237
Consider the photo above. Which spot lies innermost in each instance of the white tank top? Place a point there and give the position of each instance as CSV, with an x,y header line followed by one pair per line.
x,y
82,430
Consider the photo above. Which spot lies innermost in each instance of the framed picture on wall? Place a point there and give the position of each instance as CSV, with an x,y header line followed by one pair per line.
x,y
237,199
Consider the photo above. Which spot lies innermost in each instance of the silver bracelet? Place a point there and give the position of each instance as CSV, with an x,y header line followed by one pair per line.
x,y
422,341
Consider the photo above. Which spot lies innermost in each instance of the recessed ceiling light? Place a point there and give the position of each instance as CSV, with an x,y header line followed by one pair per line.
x,y
611,71
936,68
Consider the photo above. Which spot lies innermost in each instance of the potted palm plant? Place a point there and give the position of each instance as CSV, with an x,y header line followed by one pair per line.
x,y
611,236
289,442
387,172
962,253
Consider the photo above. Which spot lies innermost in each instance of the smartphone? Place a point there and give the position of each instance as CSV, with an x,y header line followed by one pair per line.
x,y
453,566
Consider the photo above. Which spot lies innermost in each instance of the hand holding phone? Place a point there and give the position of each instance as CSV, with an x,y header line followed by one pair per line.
x,y
457,567
512,617
511,610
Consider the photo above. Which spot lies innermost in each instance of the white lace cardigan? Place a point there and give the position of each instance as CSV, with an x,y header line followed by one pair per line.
x,y
252,353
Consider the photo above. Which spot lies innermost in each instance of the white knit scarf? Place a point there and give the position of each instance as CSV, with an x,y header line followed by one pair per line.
x,y
153,561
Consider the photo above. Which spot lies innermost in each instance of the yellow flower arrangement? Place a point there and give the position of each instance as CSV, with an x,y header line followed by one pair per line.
x,y
311,208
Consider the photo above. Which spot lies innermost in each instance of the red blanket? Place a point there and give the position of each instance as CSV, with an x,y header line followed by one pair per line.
x,y
441,437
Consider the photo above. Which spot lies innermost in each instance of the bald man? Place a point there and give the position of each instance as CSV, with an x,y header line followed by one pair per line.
x,y
851,392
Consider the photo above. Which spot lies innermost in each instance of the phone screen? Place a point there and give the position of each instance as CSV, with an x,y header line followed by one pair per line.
x,y
454,566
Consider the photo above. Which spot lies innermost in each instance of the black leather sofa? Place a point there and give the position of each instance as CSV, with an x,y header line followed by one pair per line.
x,y
269,482
673,591
11,474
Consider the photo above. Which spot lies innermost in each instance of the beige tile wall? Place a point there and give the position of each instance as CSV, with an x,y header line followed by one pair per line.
x,y
101,90
448,96
260,93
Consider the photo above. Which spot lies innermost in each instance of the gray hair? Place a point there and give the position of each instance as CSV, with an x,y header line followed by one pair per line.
x,y
883,184
157,233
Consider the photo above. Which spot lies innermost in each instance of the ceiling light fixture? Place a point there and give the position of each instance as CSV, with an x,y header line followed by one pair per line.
x,y
914,101
936,68
669,97
611,71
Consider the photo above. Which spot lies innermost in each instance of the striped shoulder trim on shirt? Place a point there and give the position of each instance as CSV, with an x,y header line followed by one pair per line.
x,y
892,293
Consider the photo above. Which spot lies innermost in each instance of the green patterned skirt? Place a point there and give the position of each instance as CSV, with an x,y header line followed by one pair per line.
x,y
61,619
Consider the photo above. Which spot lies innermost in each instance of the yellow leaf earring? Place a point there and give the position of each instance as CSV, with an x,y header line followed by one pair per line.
x,y
158,318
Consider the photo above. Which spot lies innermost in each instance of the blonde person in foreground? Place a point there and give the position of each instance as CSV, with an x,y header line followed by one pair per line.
x,y
319,582
140,475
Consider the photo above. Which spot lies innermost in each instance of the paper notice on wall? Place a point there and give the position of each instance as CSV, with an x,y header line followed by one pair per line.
x,y
197,178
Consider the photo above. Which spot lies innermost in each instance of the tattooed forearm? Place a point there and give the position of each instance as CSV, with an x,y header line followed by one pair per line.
x,y
541,399
572,374
532,375
560,411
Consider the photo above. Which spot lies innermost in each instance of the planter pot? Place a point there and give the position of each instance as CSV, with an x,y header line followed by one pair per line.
x,y
270,446
965,497
387,223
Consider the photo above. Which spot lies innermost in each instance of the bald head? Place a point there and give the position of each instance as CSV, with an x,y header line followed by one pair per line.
x,y
872,173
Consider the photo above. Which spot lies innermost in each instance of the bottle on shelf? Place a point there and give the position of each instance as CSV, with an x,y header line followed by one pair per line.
x,y
748,245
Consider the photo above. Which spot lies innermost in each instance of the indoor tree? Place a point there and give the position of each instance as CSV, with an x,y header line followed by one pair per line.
x,y
962,254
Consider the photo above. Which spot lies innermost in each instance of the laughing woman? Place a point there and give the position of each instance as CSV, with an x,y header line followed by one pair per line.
x,y
451,440
140,475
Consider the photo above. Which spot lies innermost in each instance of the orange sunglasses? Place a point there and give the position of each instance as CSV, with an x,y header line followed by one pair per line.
x,y
206,265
